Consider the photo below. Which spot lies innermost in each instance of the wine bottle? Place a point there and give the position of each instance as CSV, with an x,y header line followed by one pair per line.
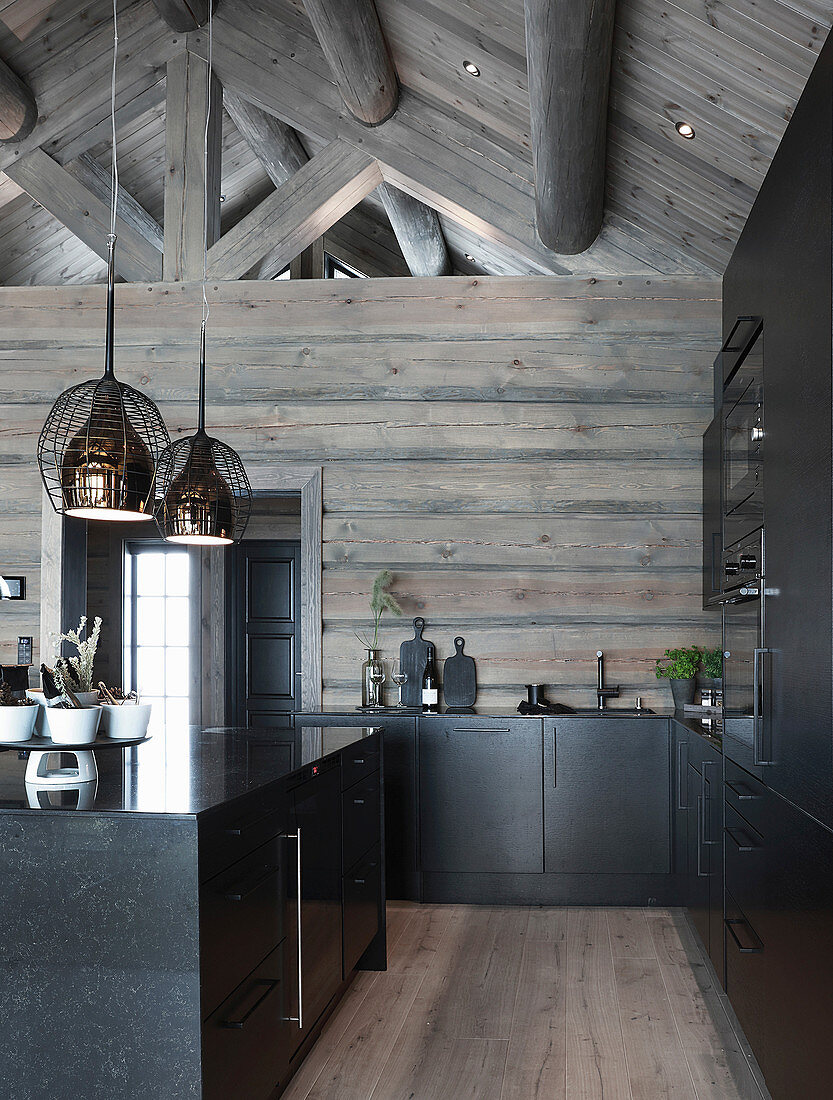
x,y
430,688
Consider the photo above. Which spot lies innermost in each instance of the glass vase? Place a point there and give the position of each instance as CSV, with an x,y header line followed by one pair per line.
x,y
371,692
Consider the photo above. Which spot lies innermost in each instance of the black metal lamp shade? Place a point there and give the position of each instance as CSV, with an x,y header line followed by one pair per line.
x,y
203,496
98,451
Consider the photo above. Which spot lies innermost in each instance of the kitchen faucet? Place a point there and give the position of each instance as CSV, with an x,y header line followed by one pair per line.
x,y
602,692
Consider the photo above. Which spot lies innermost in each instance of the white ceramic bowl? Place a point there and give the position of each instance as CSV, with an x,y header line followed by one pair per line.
x,y
17,723
85,698
125,722
72,727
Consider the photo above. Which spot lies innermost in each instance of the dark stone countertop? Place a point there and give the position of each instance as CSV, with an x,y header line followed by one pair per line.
x,y
180,772
475,712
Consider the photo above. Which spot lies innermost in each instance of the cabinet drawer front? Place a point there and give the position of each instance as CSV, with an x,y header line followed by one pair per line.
x,y
359,760
247,1042
362,893
241,919
747,797
746,976
361,819
225,838
746,864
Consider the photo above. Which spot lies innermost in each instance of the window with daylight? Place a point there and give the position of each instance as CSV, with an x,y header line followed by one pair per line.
x,y
156,633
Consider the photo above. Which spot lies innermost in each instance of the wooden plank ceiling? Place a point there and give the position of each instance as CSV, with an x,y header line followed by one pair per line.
x,y
734,69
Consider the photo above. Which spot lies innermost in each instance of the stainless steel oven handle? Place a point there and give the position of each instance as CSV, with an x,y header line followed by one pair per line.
x,y
757,716
299,1019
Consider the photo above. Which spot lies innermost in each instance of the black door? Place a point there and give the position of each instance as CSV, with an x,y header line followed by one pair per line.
x,y
265,633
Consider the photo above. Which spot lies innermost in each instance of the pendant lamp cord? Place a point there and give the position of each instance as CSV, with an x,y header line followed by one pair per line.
x,y
205,306
114,205
114,194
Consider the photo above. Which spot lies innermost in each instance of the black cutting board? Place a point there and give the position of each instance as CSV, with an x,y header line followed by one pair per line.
x,y
413,657
459,678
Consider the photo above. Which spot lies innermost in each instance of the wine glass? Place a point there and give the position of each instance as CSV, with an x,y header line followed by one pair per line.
x,y
376,675
399,677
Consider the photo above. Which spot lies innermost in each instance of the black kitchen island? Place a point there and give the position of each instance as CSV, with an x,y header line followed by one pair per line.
x,y
188,934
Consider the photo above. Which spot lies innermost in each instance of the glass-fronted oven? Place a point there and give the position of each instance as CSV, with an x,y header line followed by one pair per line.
x,y
743,441
746,677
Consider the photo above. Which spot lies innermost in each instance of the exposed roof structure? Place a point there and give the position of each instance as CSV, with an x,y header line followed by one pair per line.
x,y
458,143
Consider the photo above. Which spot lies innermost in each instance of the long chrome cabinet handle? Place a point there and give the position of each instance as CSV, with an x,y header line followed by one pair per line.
x,y
296,836
757,716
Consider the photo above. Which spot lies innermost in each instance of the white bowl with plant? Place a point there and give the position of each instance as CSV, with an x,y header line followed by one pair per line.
x,y
17,716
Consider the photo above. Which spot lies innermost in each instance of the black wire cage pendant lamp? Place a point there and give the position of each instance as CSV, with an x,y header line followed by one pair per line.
x,y
203,496
202,492
99,447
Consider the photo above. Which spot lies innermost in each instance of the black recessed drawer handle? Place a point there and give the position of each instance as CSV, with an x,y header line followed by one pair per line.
x,y
733,922
359,881
477,729
241,889
358,801
270,987
741,792
742,841
359,761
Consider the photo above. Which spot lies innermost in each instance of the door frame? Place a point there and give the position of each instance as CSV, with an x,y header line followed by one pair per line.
x,y
266,479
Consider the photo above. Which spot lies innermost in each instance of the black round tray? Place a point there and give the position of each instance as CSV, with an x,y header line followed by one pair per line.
x,y
46,744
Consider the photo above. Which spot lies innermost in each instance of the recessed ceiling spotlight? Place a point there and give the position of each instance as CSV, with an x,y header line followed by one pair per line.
x,y
684,129
222,198
471,259
471,68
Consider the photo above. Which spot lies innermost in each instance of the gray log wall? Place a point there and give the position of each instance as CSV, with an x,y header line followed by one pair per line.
x,y
523,454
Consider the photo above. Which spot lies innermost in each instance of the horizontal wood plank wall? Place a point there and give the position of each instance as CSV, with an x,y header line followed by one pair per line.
x,y
522,453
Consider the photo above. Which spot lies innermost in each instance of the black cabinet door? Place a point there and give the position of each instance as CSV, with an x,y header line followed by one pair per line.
x,y
480,795
712,513
713,842
316,806
607,796
679,804
697,893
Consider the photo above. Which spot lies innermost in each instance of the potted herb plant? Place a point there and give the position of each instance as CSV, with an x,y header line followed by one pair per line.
x,y
373,671
17,716
711,670
680,667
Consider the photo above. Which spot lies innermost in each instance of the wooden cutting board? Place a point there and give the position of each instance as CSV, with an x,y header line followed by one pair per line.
x,y
413,657
459,678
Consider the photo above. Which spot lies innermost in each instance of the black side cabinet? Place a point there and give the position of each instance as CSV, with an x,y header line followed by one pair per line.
x,y
606,796
779,935
712,512
402,878
699,794
480,795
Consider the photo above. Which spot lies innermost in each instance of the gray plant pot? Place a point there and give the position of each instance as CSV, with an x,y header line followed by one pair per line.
x,y
683,691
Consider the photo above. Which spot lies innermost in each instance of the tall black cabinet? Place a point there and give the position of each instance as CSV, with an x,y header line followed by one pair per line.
x,y
781,271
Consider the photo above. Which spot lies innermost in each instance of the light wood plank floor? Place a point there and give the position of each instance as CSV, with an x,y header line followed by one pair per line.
x,y
531,1004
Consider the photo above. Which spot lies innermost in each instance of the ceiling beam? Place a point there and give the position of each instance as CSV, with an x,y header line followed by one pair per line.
x,y
276,145
280,152
351,37
87,215
421,151
291,218
98,180
18,110
568,54
418,231
184,15
187,232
